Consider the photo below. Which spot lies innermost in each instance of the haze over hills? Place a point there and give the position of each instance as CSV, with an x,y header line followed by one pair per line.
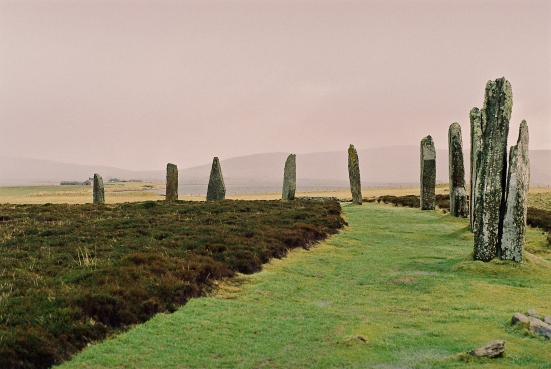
x,y
380,166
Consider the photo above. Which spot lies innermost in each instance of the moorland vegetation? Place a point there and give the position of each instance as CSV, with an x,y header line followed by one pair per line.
x,y
397,288
74,274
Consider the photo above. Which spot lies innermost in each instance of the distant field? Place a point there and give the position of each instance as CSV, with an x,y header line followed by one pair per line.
x,y
141,191
539,197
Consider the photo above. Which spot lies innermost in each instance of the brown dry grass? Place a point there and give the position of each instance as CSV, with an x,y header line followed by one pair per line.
x,y
115,193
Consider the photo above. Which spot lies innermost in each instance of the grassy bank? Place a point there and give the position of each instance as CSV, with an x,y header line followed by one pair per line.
x,y
74,274
396,289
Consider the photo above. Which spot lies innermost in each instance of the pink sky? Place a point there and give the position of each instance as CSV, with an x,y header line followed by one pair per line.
x,y
137,84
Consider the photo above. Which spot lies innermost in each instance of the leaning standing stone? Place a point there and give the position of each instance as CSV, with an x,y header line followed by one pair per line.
x,y
428,173
99,193
518,181
476,150
492,172
216,190
171,182
458,194
354,175
289,178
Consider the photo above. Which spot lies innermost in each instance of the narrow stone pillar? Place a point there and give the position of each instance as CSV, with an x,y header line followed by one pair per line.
x,y
171,182
518,181
354,175
216,190
476,150
491,175
99,193
289,178
428,173
458,194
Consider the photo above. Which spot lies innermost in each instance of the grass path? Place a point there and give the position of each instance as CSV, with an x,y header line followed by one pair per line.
x,y
395,289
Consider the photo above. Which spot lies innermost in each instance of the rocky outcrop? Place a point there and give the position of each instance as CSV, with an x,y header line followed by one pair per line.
x,y
171,182
533,323
491,174
428,173
354,175
216,190
458,194
476,150
490,350
99,192
289,178
518,181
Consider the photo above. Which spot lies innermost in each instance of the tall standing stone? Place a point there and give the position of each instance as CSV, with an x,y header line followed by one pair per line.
x,y
518,181
476,151
289,178
99,192
216,190
171,182
354,175
428,173
458,194
491,175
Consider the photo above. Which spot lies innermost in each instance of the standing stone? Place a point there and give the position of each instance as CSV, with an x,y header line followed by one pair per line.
x,y
171,182
354,175
458,194
491,176
289,178
518,181
216,190
428,173
476,150
99,193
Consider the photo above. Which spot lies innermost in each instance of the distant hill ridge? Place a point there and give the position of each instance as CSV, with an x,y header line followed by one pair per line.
x,y
396,165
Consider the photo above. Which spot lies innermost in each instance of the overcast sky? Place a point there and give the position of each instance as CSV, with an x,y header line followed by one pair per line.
x,y
137,84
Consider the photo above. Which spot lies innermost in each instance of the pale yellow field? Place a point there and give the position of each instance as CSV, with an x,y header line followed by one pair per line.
x,y
118,192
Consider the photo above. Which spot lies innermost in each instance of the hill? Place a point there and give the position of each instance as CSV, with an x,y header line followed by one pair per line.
x,y
380,166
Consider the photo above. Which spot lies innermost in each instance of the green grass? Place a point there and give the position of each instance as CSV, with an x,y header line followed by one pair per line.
x,y
396,289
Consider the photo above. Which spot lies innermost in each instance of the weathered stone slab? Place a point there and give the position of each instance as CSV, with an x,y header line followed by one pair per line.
x,y
539,327
458,193
428,173
491,175
490,350
354,175
171,182
516,204
289,178
520,317
476,150
99,192
216,190
317,198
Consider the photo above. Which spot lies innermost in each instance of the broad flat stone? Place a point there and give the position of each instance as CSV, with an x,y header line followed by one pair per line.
x,y
539,327
217,189
99,192
520,317
458,193
289,178
354,175
516,204
428,173
491,175
171,182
